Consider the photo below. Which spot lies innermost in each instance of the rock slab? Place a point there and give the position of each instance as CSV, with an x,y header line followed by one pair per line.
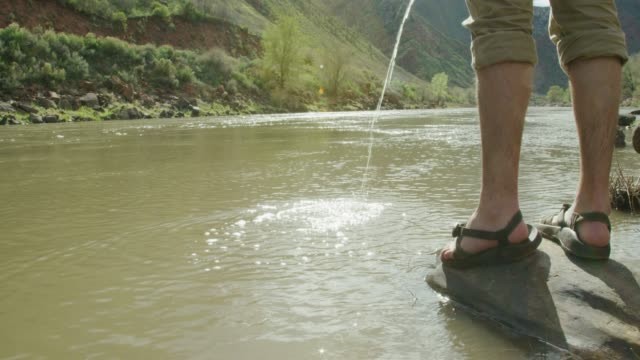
x,y
591,309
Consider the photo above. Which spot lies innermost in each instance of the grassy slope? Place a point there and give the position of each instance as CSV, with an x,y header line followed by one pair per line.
x,y
326,31
322,29
426,49
368,28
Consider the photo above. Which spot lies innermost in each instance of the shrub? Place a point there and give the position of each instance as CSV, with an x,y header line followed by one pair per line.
x,y
49,75
215,67
409,92
76,67
185,75
119,18
164,74
161,11
190,12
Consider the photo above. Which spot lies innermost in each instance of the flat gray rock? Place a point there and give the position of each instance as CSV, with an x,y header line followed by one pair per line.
x,y
590,309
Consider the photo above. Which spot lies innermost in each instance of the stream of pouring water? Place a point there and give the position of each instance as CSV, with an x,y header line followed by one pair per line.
x,y
387,80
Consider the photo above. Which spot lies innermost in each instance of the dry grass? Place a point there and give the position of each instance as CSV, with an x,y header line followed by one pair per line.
x,y
625,192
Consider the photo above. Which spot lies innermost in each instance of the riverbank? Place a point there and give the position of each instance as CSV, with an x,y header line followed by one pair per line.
x,y
102,106
89,104
80,106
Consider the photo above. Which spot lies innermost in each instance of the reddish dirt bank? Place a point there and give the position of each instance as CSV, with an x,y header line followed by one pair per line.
x,y
185,34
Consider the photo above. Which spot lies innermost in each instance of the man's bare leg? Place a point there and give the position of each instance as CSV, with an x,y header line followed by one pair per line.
x,y
503,95
596,91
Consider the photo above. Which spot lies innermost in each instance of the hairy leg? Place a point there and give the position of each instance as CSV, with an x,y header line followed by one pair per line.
x,y
503,96
595,85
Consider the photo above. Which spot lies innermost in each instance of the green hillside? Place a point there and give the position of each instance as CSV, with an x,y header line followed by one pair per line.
x,y
204,47
433,42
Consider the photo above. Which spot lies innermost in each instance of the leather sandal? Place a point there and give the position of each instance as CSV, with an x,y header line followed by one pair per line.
x,y
505,253
557,229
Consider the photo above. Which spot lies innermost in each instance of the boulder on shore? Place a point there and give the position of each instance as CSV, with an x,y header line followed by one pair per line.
x,y
130,114
636,139
35,119
81,119
635,112
46,103
51,119
54,96
184,104
24,107
6,107
590,309
626,120
89,100
10,120
68,103
166,114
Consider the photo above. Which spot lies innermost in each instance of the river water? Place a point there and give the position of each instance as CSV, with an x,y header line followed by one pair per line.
x,y
241,237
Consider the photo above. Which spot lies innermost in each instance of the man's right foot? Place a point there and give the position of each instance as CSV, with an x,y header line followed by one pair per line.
x,y
486,222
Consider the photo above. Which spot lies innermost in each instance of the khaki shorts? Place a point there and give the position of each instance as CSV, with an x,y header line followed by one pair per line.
x,y
501,31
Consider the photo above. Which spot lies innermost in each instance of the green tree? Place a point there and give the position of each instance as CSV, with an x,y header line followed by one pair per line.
x,y
567,99
555,95
335,68
409,92
283,56
440,89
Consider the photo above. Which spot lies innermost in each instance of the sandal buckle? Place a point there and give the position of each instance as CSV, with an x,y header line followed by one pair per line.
x,y
457,231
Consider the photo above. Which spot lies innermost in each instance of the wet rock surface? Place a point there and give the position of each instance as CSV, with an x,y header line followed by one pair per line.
x,y
636,139
591,309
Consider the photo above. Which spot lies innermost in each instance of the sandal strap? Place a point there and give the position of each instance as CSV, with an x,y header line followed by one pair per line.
x,y
591,217
558,219
502,236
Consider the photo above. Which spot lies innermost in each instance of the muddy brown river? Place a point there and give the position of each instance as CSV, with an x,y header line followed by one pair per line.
x,y
248,237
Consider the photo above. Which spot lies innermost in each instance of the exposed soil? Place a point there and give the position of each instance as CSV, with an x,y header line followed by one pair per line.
x,y
184,34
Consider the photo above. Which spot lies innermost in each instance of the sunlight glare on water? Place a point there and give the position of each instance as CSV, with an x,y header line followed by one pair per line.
x,y
329,215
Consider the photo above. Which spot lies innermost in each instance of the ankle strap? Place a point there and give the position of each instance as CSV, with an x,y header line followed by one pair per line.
x,y
591,217
502,236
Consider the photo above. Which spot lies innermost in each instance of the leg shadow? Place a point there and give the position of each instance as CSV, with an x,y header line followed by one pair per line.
x,y
617,277
625,284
